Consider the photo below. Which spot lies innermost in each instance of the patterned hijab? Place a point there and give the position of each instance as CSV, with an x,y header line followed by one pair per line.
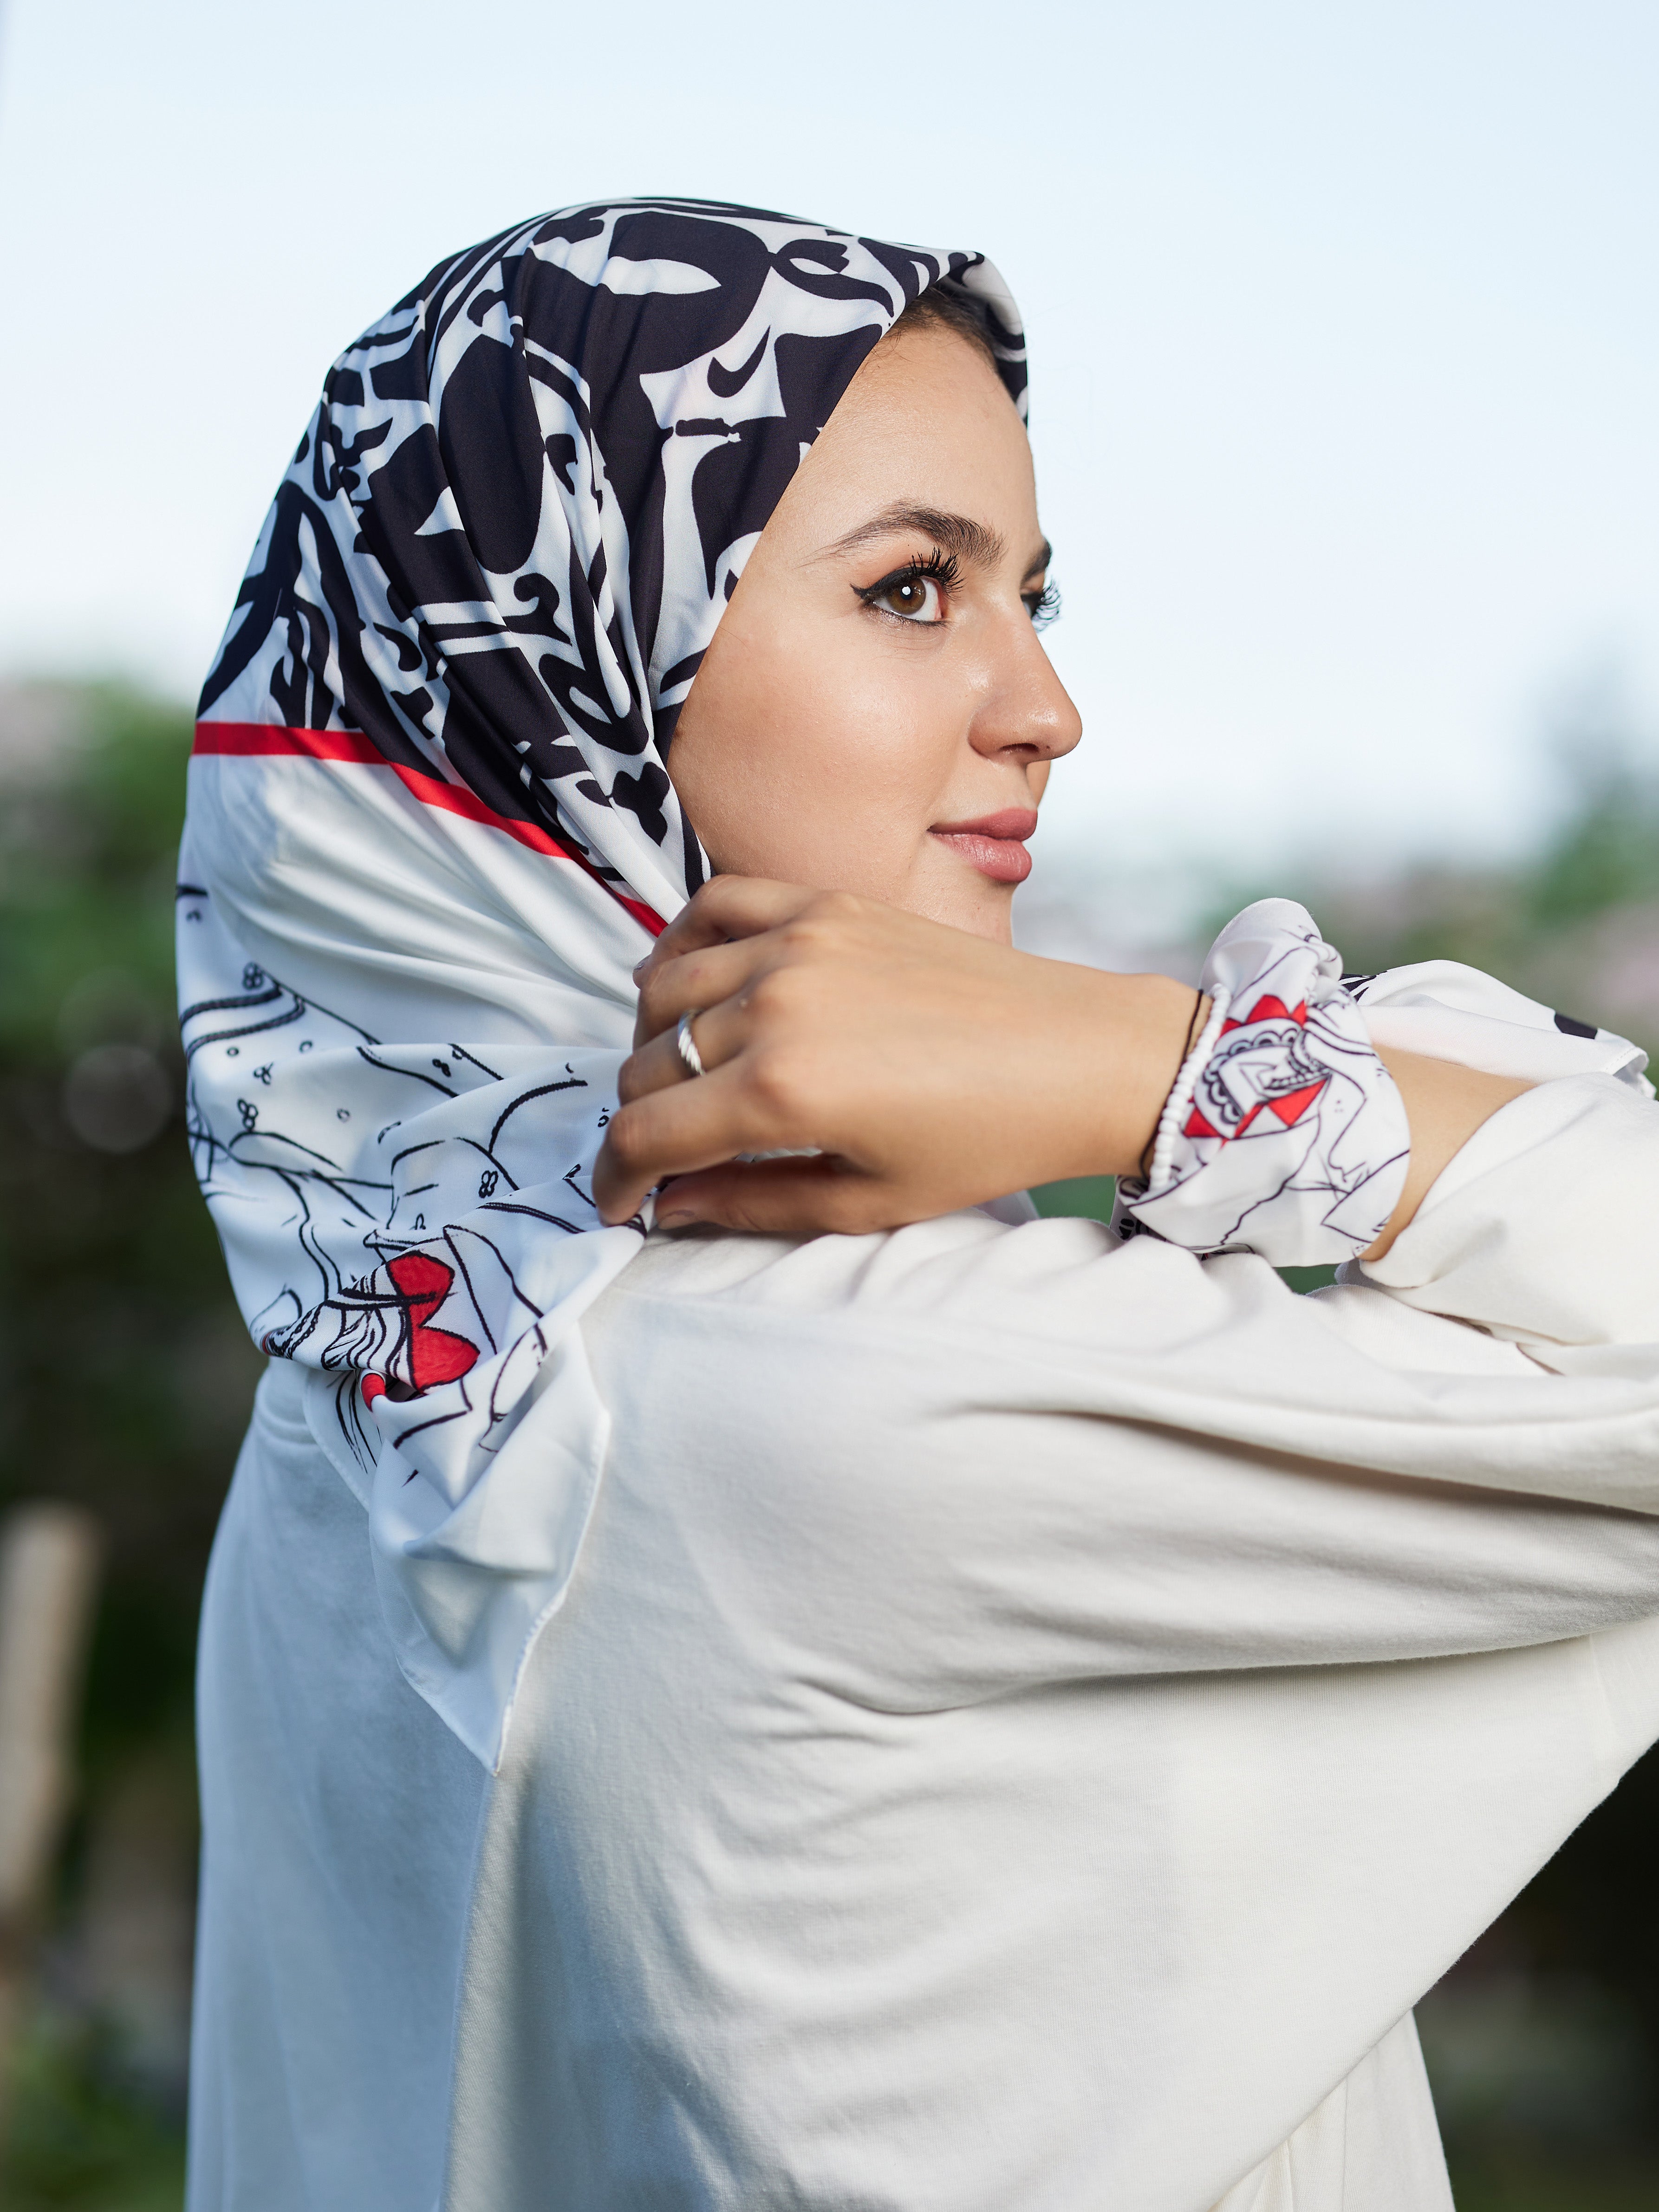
x,y
430,824
505,542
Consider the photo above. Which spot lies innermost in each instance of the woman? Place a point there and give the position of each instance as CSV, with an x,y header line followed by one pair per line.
x,y
972,1714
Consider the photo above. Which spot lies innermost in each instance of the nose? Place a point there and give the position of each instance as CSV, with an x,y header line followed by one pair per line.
x,y
1024,713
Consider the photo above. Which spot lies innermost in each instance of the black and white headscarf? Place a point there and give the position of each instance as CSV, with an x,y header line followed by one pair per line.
x,y
507,538
431,825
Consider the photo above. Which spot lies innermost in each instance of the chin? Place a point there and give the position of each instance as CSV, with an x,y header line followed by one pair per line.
x,y
980,907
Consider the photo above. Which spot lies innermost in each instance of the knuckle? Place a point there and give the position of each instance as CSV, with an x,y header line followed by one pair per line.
x,y
824,926
802,936
836,915
629,1137
774,1080
777,996
812,931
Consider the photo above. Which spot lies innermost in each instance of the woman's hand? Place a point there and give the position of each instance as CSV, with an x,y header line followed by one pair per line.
x,y
928,1068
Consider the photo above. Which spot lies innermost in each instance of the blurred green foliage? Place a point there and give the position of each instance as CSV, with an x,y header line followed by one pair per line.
x,y
1606,853
124,1371
1531,2181
79,2142
1088,1198
1574,923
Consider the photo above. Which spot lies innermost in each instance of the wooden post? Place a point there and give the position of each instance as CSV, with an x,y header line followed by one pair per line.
x,y
49,1557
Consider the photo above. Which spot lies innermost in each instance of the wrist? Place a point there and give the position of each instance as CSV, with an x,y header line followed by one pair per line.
x,y
1135,1035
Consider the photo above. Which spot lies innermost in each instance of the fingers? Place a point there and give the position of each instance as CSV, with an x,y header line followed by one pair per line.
x,y
735,931
675,1130
695,981
727,907
779,1197
714,935
717,1034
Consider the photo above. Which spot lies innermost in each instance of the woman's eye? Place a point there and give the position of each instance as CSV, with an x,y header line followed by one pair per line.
x,y
917,598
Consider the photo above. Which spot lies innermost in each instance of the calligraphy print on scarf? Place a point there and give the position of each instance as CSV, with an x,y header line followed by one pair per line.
x,y
431,830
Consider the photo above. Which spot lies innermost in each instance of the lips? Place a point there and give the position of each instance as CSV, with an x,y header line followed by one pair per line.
x,y
995,843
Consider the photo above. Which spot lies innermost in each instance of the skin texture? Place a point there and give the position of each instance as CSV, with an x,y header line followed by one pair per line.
x,y
826,739
850,968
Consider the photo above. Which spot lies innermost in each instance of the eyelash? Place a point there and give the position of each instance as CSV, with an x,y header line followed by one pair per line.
x,y
945,570
941,568
1044,606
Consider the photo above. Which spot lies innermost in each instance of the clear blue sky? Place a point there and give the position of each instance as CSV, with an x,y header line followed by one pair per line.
x,y
1344,323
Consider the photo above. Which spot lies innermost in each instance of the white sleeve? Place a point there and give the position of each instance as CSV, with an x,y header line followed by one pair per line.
x,y
984,1459
1544,1230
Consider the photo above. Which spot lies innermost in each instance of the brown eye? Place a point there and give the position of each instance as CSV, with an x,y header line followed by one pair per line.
x,y
915,597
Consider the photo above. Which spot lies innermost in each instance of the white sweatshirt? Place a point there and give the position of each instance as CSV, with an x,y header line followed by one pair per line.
x,y
1031,1716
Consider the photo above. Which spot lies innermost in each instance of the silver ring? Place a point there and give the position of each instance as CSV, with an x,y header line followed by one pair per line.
x,y
686,1045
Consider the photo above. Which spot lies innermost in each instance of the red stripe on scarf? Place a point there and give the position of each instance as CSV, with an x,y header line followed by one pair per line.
x,y
245,740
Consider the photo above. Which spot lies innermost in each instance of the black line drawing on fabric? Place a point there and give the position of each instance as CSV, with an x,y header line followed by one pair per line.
x,y
541,1091
478,1145
416,1074
399,1329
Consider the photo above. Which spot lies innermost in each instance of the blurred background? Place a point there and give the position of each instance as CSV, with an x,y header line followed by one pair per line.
x,y
1344,327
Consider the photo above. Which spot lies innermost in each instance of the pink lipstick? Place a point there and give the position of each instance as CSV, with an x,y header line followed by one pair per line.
x,y
994,844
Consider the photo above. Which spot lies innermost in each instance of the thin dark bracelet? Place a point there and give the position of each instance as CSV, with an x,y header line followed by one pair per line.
x,y
1193,1028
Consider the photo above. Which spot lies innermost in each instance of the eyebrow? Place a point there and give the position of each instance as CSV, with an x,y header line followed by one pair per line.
x,y
970,541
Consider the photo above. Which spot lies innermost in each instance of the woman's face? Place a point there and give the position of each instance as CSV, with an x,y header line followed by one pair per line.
x,y
877,713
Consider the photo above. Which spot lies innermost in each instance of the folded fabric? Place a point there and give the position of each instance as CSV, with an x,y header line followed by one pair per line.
x,y
1284,1133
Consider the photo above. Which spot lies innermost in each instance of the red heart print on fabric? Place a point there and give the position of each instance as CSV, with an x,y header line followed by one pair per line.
x,y
435,1355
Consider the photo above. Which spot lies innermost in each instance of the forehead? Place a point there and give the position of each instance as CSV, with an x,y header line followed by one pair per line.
x,y
927,422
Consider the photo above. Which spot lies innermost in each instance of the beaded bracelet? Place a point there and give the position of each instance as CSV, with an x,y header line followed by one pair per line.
x,y
1156,1171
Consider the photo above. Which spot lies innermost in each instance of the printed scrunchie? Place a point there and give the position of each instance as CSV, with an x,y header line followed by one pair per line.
x,y
1285,1135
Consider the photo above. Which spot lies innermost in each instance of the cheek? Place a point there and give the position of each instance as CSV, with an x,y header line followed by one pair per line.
x,y
818,755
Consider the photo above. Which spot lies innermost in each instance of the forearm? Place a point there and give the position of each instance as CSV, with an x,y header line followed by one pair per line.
x,y
883,1069
1112,1049
1445,1103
